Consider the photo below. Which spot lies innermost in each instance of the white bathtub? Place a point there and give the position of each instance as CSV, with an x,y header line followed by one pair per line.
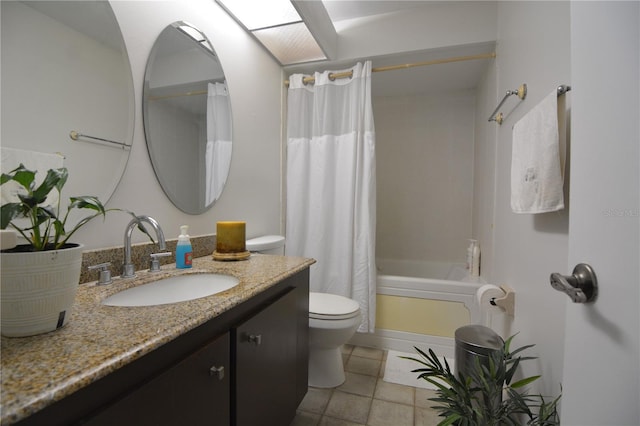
x,y
414,288
434,270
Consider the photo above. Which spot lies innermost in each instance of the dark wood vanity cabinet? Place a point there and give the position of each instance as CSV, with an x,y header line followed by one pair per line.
x,y
271,361
196,391
245,367
265,365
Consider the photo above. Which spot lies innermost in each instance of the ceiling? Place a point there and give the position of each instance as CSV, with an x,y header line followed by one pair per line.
x,y
341,10
423,79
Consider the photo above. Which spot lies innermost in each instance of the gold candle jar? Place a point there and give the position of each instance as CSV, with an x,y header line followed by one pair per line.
x,y
230,241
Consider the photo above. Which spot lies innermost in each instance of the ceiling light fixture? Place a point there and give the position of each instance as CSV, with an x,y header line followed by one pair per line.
x,y
278,26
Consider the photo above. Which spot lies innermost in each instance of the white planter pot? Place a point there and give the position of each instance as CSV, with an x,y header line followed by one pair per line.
x,y
38,290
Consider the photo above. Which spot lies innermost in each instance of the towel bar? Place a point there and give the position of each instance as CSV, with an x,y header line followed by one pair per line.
x,y
76,135
521,92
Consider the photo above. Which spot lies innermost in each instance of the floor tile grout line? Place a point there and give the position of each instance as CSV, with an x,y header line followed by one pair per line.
x,y
323,414
375,387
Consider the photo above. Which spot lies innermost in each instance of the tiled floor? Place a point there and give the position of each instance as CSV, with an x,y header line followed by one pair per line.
x,y
364,399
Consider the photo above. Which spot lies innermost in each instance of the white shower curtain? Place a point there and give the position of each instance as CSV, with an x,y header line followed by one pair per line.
x,y
331,184
218,151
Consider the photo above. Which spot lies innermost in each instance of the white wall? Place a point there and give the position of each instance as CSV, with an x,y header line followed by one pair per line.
x,y
255,83
522,250
424,150
439,25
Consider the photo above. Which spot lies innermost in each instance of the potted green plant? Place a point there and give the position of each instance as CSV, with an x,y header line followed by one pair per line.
x,y
486,395
39,279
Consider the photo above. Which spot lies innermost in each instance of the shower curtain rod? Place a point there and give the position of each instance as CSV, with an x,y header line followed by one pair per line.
x,y
178,95
333,76
187,93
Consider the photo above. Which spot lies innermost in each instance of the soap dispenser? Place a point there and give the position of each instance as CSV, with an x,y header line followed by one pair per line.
x,y
469,264
475,264
184,253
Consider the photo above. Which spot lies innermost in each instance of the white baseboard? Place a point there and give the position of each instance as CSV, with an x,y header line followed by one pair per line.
x,y
405,342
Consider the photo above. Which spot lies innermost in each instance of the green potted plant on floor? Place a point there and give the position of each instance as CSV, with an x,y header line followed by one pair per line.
x,y
39,279
486,395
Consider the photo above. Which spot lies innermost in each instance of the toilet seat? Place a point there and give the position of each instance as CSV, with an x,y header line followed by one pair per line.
x,y
325,306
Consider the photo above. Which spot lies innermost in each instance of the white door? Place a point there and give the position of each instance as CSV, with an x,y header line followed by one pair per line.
x,y
601,383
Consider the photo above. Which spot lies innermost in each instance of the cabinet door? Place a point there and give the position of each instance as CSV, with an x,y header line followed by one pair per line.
x,y
266,365
196,391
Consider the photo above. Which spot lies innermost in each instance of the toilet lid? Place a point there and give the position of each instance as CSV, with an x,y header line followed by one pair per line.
x,y
331,306
266,242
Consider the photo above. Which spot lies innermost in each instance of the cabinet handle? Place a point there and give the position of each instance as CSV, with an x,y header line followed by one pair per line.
x,y
217,371
255,338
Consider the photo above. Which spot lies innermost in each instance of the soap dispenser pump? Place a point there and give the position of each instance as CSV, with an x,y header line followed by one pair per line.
x,y
184,252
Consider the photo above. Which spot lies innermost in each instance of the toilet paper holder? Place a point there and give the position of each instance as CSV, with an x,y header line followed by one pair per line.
x,y
506,302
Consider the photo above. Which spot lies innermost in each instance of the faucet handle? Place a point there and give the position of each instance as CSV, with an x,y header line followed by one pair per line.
x,y
155,260
105,273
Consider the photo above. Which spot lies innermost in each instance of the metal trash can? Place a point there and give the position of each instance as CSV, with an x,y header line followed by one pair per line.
x,y
474,342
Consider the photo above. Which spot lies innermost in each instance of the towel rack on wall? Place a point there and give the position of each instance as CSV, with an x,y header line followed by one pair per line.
x,y
76,135
562,89
522,93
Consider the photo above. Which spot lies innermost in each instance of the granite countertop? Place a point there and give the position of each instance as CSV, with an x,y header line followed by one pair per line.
x,y
40,370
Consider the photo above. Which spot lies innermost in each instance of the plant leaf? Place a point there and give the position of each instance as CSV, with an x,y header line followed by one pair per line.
x,y
87,202
524,382
523,348
63,175
59,228
507,343
21,175
46,213
450,420
52,180
9,212
512,370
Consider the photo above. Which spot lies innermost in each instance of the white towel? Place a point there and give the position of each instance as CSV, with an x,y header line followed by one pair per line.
x,y
40,162
536,171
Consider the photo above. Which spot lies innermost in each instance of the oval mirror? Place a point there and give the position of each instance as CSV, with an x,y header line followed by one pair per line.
x,y
187,118
65,71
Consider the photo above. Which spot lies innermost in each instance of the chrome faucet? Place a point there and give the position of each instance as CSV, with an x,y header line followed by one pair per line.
x,y
128,269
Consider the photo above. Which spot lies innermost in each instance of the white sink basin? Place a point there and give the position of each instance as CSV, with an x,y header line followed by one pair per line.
x,y
172,290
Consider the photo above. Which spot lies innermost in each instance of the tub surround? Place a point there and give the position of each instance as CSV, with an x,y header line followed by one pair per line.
x,y
99,340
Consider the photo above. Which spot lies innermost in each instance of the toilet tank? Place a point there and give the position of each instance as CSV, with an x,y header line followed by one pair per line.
x,y
266,244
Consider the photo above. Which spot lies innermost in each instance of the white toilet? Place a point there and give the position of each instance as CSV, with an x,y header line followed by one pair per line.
x,y
333,320
267,244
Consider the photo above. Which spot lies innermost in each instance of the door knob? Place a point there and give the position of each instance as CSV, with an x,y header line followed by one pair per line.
x,y
581,286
